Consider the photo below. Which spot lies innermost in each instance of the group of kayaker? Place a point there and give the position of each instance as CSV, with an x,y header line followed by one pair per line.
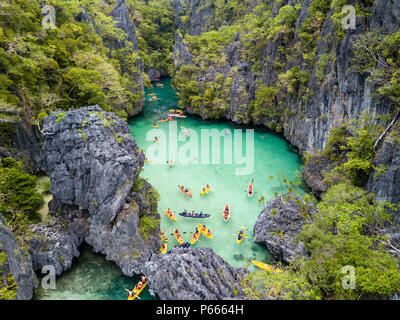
x,y
139,286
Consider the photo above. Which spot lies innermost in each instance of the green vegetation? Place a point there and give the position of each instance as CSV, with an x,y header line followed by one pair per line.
x,y
155,27
19,200
69,66
147,226
377,55
344,232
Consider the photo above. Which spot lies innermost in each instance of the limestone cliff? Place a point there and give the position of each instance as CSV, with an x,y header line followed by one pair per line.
x,y
94,163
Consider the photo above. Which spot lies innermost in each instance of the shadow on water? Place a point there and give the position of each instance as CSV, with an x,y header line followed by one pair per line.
x,y
91,277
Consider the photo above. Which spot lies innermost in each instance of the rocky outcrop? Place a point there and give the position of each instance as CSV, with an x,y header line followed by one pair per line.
x,y
16,264
278,225
125,241
193,274
94,162
56,243
155,74
313,173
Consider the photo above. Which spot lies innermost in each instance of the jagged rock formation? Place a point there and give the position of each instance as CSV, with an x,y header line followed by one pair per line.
x,y
125,242
342,95
56,243
193,274
16,264
93,162
278,225
120,14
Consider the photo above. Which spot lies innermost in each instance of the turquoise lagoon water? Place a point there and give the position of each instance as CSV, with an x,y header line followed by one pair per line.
x,y
272,155
92,277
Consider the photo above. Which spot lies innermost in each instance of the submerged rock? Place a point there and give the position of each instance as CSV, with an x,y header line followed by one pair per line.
x,y
278,225
16,264
193,274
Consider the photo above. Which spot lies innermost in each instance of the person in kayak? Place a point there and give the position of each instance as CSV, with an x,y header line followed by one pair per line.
x,y
204,189
144,279
226,214
169,213
240,234
208,187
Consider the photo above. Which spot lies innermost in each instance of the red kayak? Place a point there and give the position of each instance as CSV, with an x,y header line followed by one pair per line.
x,y
229,215
250,190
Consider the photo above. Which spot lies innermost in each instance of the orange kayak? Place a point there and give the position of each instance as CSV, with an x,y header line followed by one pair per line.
x,y
250,190
183,190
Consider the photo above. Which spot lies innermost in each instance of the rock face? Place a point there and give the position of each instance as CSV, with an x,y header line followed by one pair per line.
x,y
278,225
16,264
325,102
193,274
93,162
385,183
56,243
123,241
19,139
120,14
341,95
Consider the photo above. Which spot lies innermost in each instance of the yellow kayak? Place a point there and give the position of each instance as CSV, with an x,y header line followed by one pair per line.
x,y
163,236
178,236
205,232
200,227
205,190
137,292
265,266
170,215
194,239
164,250
241,239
